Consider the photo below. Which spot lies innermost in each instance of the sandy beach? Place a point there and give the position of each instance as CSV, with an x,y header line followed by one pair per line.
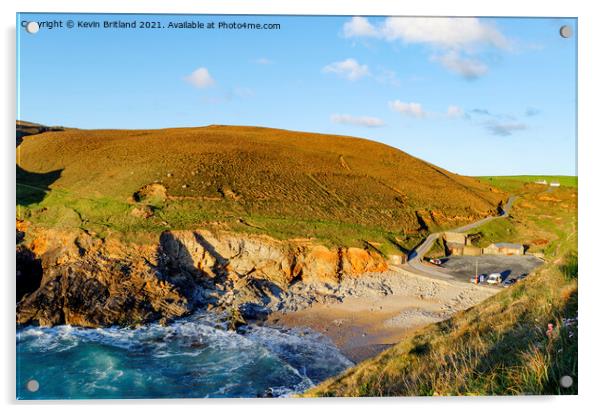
x,y
367,315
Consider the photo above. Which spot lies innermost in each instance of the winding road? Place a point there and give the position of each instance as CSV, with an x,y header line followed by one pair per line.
x,y
417,266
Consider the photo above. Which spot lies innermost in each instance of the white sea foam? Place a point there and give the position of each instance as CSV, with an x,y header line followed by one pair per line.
x,y
192,357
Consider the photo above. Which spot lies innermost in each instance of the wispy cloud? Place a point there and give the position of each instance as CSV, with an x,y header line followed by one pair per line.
x,y
479,111
454,41
263,61
499,124
407,108
454,111
504,129
468,68
349,69
226,96
366,121
200,78
496,124
532,112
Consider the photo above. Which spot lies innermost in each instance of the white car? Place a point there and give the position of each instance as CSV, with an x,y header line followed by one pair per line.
x,y
494,278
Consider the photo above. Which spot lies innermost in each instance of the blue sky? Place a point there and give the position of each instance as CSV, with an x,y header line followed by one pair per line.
x,y
475,96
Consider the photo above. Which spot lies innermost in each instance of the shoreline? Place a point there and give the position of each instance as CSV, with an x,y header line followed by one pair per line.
x,y
378,310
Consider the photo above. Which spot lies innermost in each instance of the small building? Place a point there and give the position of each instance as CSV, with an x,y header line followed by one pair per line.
x,y
555,184
454,248
504,248
541,182
454,237
472,251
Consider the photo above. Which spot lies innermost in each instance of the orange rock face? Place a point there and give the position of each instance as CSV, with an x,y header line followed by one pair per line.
x,y
357,261
81,280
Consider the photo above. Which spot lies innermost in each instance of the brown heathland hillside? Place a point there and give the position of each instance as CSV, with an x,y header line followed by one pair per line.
x,y
249,174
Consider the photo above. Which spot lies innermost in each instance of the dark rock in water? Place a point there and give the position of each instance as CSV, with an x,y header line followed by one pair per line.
x,y
254,312
268,393
198,345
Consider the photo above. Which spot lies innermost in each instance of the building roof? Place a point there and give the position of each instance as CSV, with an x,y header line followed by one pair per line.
x,y
455,245
507,245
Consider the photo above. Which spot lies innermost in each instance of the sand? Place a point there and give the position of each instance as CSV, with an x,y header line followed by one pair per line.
x,y
367,315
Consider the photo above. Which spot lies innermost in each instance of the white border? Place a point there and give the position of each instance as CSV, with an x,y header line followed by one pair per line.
x,y
590,175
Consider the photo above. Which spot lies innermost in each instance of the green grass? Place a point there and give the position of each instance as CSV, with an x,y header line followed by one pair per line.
x,y
106,216
513,182
498,230
540,220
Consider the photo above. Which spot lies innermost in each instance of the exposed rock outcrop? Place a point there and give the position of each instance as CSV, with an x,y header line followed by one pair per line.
x,y
89,283
75,278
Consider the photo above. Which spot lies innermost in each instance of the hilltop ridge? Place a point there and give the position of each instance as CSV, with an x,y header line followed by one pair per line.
x,y
284,183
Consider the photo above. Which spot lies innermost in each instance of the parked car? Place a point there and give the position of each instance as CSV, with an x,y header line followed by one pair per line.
x,y
494,278
435,261
508,282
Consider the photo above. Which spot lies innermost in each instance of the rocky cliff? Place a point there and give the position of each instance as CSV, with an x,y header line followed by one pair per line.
x,y
72,277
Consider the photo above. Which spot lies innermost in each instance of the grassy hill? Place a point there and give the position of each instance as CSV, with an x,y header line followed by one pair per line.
x,y
340,190
502,345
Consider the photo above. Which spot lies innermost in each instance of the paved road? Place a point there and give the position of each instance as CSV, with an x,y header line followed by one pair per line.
x,y
415,263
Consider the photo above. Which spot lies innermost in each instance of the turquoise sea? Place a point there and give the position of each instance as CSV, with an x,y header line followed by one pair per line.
x,y
193,357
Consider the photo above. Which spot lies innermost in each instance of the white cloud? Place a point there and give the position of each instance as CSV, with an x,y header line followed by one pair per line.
x,y
200,78
454,40
359,27
409,109
367,121
455,111
348,68
468,68
445,32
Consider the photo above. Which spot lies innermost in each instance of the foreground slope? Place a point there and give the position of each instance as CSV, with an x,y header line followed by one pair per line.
x,y
520,341
286,184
